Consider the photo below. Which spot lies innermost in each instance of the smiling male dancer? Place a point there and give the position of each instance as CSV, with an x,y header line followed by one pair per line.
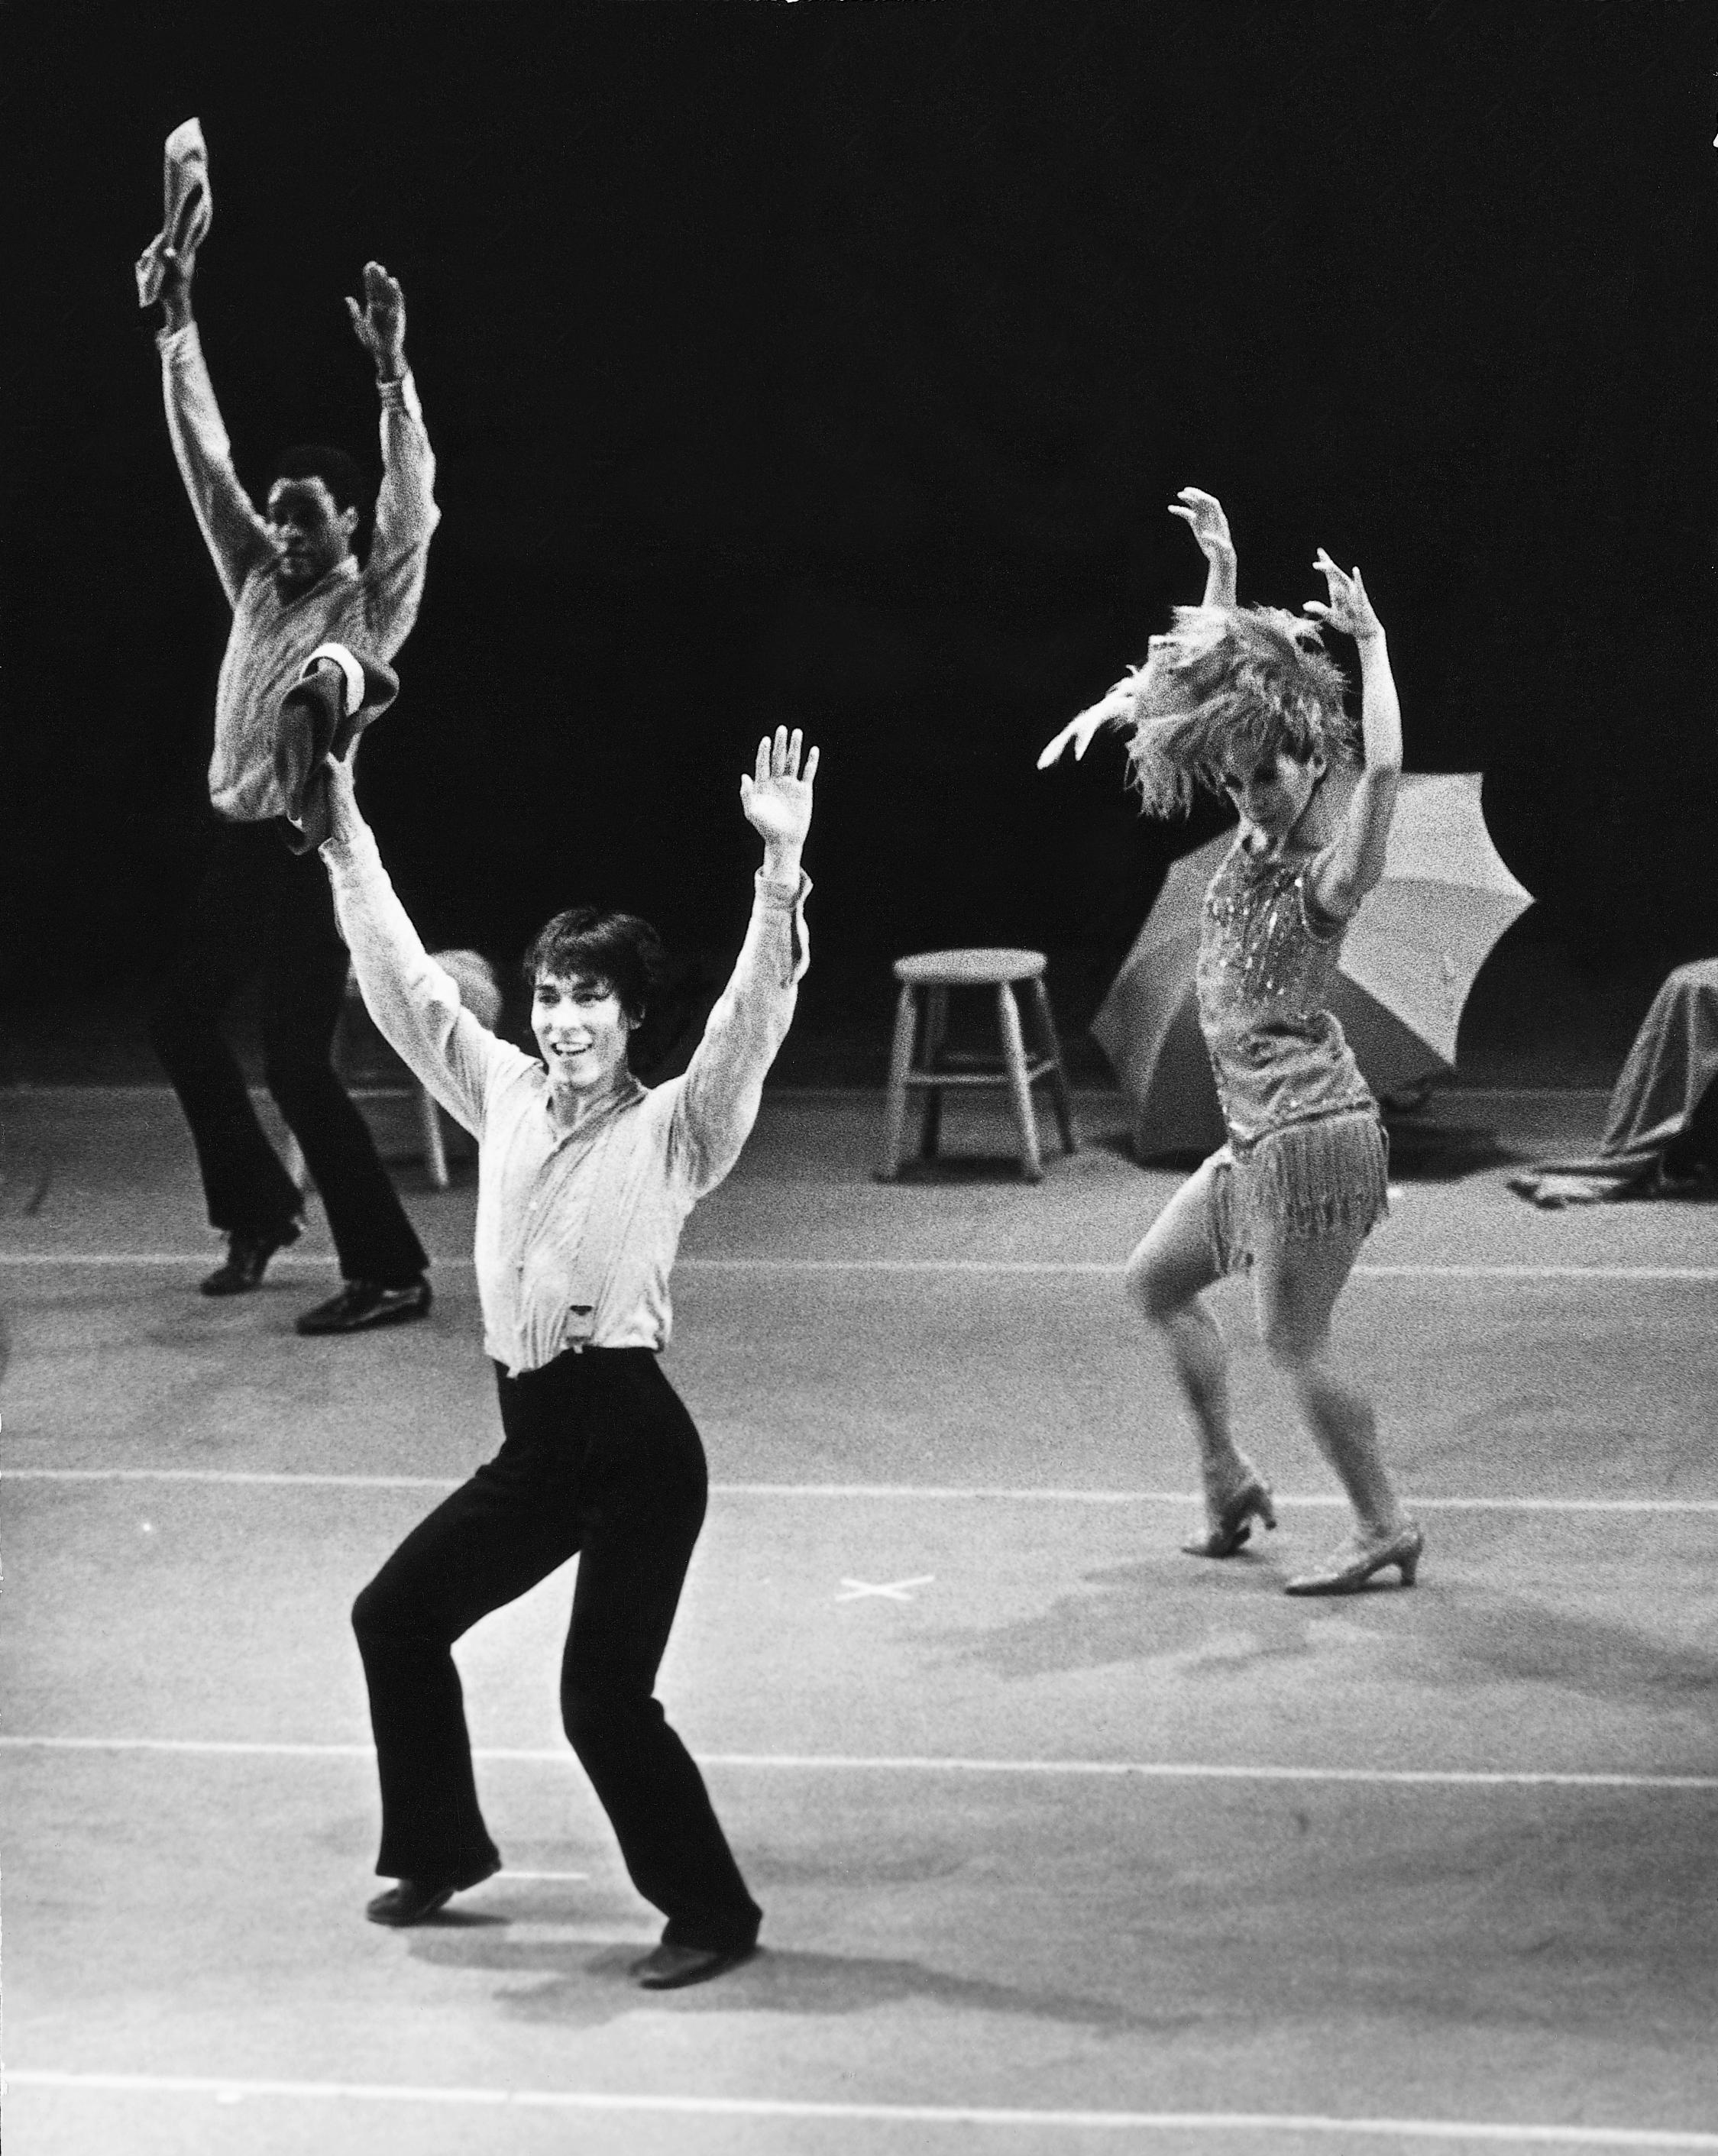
x,y
294,582
584,1181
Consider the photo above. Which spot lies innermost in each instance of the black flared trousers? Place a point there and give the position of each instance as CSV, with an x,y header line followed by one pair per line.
x,y
600,1457
265,914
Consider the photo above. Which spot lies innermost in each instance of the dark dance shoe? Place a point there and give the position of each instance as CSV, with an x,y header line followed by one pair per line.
x,y
411,1901
1351,1568
361,1306
247,1259
1232,1524
670,1968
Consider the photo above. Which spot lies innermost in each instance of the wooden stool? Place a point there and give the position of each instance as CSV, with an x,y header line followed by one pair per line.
x,y
937,972
435,1153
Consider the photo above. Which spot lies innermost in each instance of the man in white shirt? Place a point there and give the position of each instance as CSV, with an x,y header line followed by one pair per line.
x,y
262,912
585,1180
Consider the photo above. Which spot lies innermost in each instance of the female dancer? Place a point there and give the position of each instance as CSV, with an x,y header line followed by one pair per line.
x,y
1245,700
585,1179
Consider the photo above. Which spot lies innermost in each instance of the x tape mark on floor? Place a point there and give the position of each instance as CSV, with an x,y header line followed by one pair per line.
x,y
892,1591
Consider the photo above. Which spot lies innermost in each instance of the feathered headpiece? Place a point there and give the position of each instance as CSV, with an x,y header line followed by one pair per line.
x,y
1223,678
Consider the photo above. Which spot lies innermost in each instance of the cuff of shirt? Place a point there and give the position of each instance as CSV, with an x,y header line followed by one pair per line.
x,y
174,344
401,395
789,898
353,856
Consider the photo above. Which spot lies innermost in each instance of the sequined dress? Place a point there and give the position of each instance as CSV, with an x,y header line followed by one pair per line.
x,y
1306,1149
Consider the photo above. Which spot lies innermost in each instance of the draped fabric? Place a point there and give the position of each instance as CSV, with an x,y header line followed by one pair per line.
x,y
1663,1094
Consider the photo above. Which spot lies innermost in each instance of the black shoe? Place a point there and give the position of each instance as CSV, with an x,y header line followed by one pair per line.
x,y
413,1900
361,1306
247,1259
670,1968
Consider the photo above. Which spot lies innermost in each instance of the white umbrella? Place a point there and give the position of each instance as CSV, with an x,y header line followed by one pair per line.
x,y
1408,962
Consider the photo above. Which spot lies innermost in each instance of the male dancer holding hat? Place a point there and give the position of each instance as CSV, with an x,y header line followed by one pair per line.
x,y
263,909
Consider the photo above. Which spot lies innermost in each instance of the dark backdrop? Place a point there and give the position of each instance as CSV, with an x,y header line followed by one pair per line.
x,y
834,363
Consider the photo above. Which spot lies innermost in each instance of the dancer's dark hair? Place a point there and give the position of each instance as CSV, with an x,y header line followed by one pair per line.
x,y
619,949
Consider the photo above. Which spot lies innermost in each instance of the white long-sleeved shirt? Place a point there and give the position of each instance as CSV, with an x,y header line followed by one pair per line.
x,y
576,1231
371,609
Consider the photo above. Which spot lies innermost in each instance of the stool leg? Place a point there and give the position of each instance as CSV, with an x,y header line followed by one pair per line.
x,y
435,1153
936,1026
1019,1086
1057,1074
895,1102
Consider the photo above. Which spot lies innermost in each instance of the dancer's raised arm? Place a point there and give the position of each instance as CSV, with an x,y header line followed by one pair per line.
x,y
236,536
1354,862
415,1004
1203,515
406,514
724,1080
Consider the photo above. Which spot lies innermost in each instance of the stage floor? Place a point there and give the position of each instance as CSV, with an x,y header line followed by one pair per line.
x,y
1066,1842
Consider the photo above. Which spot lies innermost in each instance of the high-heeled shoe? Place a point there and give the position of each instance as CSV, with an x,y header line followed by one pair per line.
x,y
1351,1568
1232,1524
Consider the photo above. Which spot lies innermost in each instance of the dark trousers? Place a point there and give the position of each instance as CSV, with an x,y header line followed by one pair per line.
x,y
263,913
600,1457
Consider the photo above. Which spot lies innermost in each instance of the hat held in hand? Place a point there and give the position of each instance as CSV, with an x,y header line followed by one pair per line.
x,y
322,715
188,206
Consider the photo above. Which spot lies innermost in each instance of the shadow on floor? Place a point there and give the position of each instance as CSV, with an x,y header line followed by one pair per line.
x,y
1445,1153
578,1984
1320,1913
1456,1635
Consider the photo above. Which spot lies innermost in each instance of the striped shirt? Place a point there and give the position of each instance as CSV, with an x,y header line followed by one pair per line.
x,y
577,1231
370,609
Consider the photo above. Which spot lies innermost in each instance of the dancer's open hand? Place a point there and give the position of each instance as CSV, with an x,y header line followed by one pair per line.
x,y
379,325
1203,513
776,799
1349,609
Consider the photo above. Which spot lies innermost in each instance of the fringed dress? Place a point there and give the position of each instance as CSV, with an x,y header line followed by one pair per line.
x,y
1306,1152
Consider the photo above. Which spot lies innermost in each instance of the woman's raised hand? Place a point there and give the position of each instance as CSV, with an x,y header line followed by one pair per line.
x,y
776,798
1204,514
1349,608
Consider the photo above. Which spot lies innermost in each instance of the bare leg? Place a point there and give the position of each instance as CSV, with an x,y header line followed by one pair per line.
x,y
1296,1285
1167,1277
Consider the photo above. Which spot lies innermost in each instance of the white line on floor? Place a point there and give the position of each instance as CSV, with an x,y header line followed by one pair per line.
x,y
226,1475
1330,1502
1104,1268
885,1492
1269,2123
857,1763
1113,1269
1538,1272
